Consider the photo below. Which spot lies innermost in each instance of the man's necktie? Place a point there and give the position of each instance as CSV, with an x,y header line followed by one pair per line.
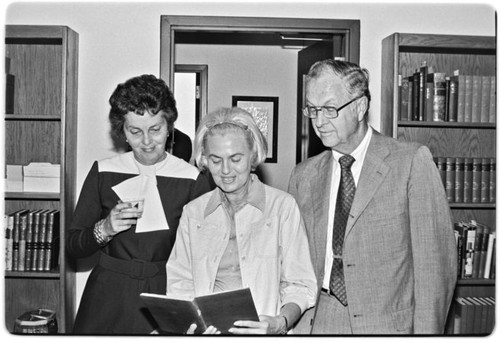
x,y
345,196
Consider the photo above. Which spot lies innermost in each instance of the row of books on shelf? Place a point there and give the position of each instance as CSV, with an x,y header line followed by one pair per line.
x,y
473,315
467,179
426,95
476,250
31,240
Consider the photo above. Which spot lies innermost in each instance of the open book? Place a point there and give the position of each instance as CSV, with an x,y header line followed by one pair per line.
x,y
175,315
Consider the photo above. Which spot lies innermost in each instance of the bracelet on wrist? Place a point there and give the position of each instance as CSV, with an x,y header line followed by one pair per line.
x,y
98,233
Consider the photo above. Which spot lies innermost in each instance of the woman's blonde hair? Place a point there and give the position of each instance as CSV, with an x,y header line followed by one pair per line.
x,y
226,120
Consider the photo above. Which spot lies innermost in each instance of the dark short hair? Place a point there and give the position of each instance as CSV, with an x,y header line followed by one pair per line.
x,y
145,93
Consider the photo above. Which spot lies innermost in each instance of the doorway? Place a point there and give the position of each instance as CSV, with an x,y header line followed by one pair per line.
x,y
249,56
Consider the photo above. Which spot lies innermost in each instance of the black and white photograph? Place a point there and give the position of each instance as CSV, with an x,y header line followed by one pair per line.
x,y
295,169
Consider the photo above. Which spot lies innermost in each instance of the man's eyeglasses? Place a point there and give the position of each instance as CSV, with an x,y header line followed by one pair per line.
x,y
330,112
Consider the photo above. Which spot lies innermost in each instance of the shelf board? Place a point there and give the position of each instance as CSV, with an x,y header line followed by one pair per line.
x,y
475,282
32,275
473,205
40,117
446,124
32,195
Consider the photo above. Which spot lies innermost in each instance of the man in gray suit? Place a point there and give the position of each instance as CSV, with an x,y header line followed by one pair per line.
x,y
378,223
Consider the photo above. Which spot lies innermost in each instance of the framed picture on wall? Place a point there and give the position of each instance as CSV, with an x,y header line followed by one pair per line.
x,y
264,110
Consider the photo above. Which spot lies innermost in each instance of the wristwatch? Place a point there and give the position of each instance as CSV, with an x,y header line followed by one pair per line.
x,y
284,331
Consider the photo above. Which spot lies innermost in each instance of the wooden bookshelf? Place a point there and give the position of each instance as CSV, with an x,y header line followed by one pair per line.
x,y
402,54
41,126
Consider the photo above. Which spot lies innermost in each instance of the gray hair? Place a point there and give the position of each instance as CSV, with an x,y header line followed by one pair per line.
x,y
226,120
355,78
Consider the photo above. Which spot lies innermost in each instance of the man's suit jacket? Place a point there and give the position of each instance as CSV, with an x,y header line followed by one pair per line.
x,y
399,249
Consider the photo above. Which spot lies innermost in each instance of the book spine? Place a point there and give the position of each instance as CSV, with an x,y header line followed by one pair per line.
x,y
469,254
29,244
493,180
467,180
485,99
447,99
51,248
468,99
410,98
484,248
476,99
36,233
416,93
476,179
493,100
453,100
459,180
429,98
41,242
450,179
403,99
439,100
421,95
477,251
461,98
489,255
485,180
9,226
22,243
441,166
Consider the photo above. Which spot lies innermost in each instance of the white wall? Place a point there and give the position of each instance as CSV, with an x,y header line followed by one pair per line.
x,y
120,40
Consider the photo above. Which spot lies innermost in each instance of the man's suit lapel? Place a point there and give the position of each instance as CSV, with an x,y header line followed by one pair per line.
x,y
320,186
372,175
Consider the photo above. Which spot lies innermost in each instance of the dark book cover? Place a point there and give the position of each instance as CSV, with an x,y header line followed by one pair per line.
x,y
34,243
476,260
493,180
221,310
471,315
52,241
439,100
441,166
482,251
422,75
10,81
450,179
468,179
9,236
453,100
42,234
416,96
459,232
476,179
410,98
29,241
485,180
459,180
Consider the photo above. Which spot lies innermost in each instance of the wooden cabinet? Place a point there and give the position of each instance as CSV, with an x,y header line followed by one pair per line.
x,y
402,54
41,126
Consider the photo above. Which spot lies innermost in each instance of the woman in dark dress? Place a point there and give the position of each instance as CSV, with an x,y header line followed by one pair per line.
x,y
133,244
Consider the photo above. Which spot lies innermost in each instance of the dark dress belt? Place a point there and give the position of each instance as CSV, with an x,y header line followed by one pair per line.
x,y
135,268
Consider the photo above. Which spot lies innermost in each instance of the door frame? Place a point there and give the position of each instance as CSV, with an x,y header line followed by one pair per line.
x,y
171,24
201,70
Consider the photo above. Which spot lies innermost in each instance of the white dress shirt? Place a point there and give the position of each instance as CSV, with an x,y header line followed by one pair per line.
x,y
359,156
